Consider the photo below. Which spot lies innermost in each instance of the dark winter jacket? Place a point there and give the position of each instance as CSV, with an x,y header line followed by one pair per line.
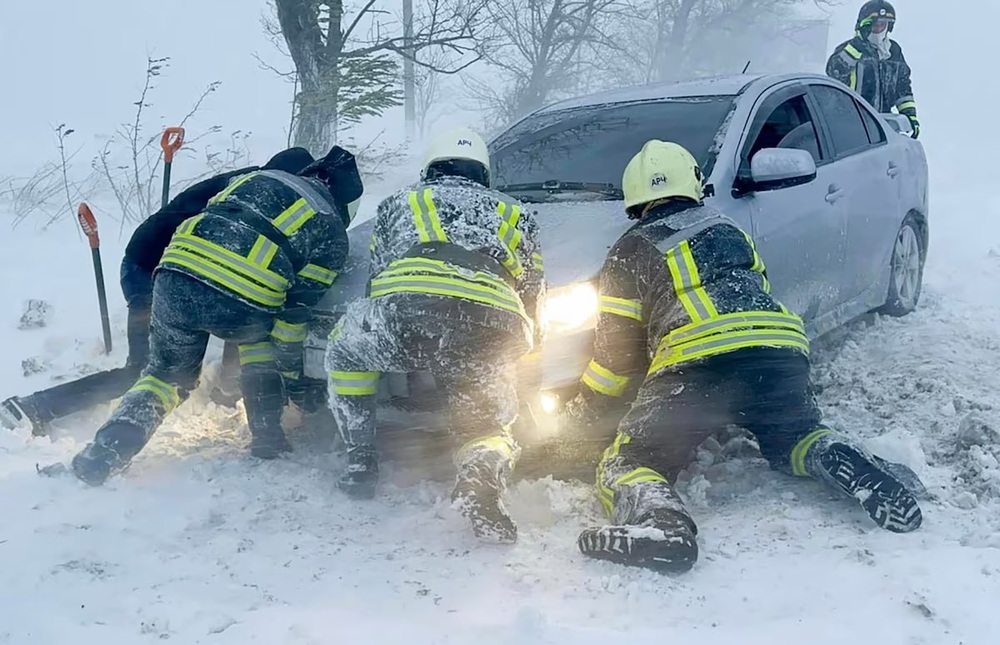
x,y
883,83
683,284
453,238
272,240
150,238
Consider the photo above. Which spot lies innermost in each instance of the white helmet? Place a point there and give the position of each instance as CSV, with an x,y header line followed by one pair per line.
x,y
458,145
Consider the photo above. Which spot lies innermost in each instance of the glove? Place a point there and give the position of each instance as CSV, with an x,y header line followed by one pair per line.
x,y
915,124
308,394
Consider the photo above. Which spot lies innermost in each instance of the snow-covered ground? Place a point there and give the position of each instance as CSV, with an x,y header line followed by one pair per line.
x,y
200,545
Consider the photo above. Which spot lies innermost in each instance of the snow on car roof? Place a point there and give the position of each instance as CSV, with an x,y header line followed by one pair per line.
x,y
714,86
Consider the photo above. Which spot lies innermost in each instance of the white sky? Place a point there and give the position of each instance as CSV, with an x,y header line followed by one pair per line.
x,y
83,63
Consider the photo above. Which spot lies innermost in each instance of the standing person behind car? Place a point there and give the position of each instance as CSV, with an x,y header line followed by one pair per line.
x,y
248,270
684,292
456,284
142,254
872,64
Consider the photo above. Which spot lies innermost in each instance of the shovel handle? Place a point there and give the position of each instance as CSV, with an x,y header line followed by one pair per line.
x,y
89,225
171,142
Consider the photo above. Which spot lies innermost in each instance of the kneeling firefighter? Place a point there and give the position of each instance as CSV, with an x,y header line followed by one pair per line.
x,y
684,297
247,270
455,287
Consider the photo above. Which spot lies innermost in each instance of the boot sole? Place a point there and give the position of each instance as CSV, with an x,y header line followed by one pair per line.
x,y
886,500
641,546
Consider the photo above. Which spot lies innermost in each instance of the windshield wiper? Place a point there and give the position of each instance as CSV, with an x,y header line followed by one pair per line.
x,y
554,186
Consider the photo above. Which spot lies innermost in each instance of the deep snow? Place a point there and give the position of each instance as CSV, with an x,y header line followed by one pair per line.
x,y
200,545
197,544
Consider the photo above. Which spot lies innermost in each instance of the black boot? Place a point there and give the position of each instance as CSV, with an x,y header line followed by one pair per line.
x,y
361,477
20,413
478,495
663,540
110,453
862,476
269,445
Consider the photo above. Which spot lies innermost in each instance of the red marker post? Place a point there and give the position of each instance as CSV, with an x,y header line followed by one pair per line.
x,y
89,225
171,142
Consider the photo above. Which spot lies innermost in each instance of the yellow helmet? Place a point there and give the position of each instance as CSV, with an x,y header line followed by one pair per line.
x,y
461,152
662,169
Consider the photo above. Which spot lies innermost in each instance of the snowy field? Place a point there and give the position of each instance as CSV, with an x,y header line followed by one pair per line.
x,y
199,544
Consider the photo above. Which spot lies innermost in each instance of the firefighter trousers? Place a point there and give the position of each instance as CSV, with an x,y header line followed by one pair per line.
x,y
472,362
185,313
766,391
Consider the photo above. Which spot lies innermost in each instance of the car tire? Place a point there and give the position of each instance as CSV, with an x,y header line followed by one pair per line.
x,y
906,270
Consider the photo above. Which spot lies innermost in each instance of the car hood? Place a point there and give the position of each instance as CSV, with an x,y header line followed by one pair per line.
x,y
575,238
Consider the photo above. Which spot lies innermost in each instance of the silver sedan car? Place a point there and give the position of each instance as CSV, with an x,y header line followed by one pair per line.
x,y
834,194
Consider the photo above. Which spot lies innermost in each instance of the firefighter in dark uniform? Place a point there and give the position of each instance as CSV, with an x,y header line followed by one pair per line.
x,y
685,306
142,254
247,270
873,65
456,283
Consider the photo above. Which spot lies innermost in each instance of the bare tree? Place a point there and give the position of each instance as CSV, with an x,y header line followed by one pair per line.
x,y
347,59
537,51
667,40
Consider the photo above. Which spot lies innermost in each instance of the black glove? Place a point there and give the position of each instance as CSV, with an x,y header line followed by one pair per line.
x,y
915,124
308,394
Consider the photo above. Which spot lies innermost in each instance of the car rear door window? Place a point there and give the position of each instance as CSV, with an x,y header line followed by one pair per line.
x,y
790,125
843,119
876,134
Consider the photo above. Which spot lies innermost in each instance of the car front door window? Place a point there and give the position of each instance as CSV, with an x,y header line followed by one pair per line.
x,y
843,120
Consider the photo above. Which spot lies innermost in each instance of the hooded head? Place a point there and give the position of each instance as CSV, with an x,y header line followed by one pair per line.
x,y
291,161
339,171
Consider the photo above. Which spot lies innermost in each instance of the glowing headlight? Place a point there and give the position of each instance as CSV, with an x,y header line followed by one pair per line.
x,y
570,308
550,402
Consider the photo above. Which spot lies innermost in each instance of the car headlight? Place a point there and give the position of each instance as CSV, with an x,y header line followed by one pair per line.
x,y
570,308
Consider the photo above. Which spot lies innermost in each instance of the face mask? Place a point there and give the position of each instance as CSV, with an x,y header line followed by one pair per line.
x,y
882,43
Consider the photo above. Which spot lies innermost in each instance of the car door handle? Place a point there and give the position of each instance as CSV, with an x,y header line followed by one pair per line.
x,y
893,169
834,194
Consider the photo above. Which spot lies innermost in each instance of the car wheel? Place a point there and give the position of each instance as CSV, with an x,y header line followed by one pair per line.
x,y
906,272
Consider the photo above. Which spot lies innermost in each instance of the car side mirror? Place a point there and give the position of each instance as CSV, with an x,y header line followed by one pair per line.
x,y
774,168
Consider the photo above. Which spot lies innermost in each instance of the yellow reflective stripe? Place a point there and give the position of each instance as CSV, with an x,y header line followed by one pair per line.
x,y
602,380
167,394
668,355
290,375
288,332
735,321
408,266
537,262
798,456
447,286
187,226
236,183
687,283
354,383
318,273
425,217
263,252
605,494
230,260
493,443
510,237
852,81
251,353
638,475
224,277
292,218
620,307
853,51
906,105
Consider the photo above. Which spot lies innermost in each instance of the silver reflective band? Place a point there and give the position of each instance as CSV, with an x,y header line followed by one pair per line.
x,y
303,187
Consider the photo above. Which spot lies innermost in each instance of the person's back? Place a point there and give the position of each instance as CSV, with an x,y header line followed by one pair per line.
x,y
873,65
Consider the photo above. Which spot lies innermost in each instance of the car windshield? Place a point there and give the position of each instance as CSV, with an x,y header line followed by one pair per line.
x,y
580,153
